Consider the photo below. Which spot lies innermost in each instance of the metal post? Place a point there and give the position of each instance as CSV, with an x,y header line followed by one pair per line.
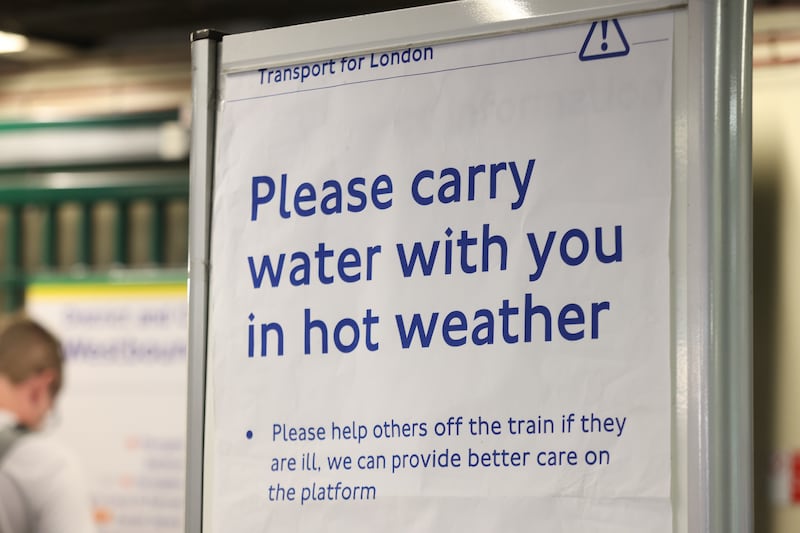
x,y
732,293
205,45
49,240
121,233
720,154
85,236
157,232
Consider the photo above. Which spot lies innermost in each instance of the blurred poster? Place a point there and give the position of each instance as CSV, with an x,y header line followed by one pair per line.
x,y
122,409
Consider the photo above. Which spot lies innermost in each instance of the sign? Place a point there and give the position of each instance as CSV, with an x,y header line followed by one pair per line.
x,y
785,478
439,289
123,406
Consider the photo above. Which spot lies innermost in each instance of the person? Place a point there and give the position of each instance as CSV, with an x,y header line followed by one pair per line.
x,y
41,485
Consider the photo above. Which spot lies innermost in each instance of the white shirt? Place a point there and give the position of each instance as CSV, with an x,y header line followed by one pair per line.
x,y
50,480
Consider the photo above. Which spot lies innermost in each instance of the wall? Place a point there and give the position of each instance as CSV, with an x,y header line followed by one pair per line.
x,y
776,256
111,83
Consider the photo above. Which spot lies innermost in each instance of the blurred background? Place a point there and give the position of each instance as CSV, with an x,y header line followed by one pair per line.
x,y
94,121
94,130
776,260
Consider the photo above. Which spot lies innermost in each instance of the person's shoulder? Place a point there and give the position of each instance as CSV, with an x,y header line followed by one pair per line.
x,y
51,477
37,442
39,455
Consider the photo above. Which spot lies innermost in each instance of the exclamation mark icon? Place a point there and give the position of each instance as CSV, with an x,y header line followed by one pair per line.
x,y
597,45
604,28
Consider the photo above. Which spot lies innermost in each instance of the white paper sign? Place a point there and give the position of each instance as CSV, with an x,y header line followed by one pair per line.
x,y
439,295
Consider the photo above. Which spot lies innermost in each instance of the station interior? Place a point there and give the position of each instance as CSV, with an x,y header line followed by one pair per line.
x,y
95,118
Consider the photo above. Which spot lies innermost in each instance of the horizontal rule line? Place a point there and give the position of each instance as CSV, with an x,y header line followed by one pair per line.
x,y
440,71
386,78
651,41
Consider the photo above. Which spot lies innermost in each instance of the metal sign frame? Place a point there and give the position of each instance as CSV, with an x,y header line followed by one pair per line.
x,y
710,226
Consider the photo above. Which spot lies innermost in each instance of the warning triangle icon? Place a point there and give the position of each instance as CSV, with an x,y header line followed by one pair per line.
x,y
605,39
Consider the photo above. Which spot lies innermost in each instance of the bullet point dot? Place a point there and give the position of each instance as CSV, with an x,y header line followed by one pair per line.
x,y
249,434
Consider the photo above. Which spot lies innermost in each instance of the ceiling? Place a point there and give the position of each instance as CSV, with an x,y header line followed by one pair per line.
x,y
65,30
92,24
61,28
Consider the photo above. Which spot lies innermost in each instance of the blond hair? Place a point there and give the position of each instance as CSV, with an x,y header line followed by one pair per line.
x,y
26,349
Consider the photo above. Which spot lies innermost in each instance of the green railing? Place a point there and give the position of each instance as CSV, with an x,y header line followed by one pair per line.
x,y
47,190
